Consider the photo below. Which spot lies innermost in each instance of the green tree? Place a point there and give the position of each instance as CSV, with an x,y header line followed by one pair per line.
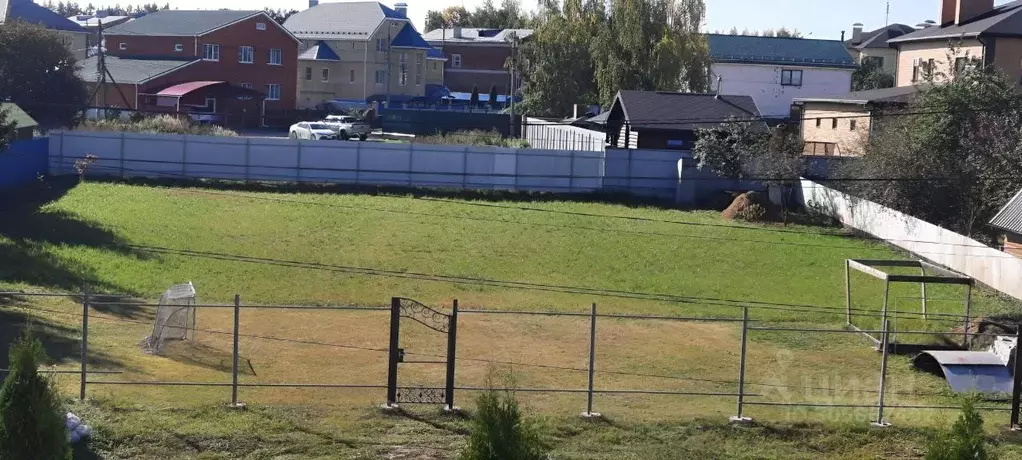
x,y
37,72
870,75
434,20
499,432
474,99
31,417
966,441
557,66
952,157
7,130
493,96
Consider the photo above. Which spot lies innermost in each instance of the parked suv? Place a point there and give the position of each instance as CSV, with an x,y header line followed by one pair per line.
x,y
347,127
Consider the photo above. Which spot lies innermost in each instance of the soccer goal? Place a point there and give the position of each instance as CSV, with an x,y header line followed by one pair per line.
x,y
175,318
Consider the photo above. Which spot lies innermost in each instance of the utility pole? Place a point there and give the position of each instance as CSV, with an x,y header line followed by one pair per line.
x,y
514,44
390,31
101,70
887,19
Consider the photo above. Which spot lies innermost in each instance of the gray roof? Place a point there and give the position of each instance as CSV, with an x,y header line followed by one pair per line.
x,y
18,116
1004,20
879,38
1010,217
340,20
180,22
803,52
475,35
901,94
656,110
125,70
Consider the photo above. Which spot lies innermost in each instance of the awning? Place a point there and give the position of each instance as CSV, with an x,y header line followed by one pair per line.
x,y
185,88
969,371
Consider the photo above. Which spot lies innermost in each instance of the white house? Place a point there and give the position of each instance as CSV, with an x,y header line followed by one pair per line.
x,y
775,71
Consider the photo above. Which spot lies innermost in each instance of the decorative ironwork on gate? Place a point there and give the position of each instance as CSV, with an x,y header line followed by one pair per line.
x,y
436,321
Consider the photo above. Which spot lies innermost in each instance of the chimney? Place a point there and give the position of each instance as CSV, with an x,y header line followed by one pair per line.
x,y
970,9
857,33
313,3
948,12
457,31
401,9
842,35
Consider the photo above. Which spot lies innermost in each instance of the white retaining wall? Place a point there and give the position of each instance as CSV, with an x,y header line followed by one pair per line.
x,y
370,163
987,265
542,134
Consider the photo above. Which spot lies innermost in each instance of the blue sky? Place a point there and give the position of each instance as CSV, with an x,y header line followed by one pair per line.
x,y
815,18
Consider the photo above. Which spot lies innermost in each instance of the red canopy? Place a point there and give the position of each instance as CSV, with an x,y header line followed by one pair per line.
x,y
185,88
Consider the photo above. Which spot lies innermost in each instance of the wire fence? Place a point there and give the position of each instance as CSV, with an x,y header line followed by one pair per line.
x,y
595,344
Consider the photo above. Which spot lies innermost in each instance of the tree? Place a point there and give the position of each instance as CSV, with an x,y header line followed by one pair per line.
x,y
557,66
434,20
493,96
782,32
7,130
498,430
952,157
966,439
475,96
37,72
279,15
870,75
31,418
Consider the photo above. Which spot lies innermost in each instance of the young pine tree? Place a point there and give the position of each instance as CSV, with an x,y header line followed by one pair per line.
x,y
498,431
966,440
31,417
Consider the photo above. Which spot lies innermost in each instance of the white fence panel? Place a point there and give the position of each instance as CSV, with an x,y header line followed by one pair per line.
x,y
330,162
550,135
989,266
274,159
205,156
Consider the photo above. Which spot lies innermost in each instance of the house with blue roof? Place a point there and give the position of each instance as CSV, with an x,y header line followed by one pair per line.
x,y
358,52
775,71
75,37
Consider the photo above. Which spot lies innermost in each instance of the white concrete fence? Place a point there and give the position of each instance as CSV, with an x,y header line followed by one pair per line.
x,y
369,163
987,265
542,134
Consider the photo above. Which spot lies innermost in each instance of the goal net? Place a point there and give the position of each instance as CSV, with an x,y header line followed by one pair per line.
x,y
175,317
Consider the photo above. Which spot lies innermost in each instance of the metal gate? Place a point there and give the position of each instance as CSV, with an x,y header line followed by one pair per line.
x,y
436,321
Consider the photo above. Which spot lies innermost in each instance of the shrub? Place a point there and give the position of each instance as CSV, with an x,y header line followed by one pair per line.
x,y
966,440
31,417
474,137
498,431
160,124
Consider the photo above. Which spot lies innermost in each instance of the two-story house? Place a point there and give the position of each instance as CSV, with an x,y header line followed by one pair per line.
x,y
775,71
230,67
477,58
874,47
361,51
970,33
74,36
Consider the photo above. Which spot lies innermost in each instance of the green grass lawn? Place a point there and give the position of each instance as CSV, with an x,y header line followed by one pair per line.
x,y
496,252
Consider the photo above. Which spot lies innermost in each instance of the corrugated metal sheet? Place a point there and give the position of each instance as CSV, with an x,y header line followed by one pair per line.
x,y
1010,217
982,379
969,358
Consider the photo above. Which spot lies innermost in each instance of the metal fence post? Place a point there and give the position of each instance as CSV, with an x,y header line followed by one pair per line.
x,y
883,375
592,364
741,418
452,346
1016,388
395,328
922,271
848,293
968,316
85,341
883,319
234,367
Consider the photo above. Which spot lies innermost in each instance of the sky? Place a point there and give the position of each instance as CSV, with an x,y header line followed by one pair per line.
x,y
814,18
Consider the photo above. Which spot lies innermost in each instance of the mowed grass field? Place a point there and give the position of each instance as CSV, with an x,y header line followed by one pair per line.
x,y
276,247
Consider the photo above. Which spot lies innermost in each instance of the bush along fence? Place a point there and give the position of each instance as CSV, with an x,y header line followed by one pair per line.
x,y
443,323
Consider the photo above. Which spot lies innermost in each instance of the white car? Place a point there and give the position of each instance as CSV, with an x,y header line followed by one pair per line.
x,y
311,130
347,127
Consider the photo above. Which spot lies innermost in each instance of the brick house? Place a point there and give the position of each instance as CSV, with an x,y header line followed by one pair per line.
x,y
842,125
1009,221
226,67
476,57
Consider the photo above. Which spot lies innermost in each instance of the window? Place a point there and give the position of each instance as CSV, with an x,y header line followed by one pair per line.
x,y
851,125
819,122
434,65
381,77
351,76
418,69
456,61
245,85
352,45
260,26
791,78
403,76
308,73
275,56
123,46
210,106
246,54
211,52
819,148
833,123
380,45
179,47
930,65
875,61
273,92
915,71
326,74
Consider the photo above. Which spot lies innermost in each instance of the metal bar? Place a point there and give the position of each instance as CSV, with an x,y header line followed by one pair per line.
x,y
922,271
867,269
234,367
742,362
275,307
855,330
85,343
883,318
50,371
887,263
423,362
159,383
615,316
883,374
310,385
848,293
592,361
395,325
868,406
452,347
928,279
1016,389
968,319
